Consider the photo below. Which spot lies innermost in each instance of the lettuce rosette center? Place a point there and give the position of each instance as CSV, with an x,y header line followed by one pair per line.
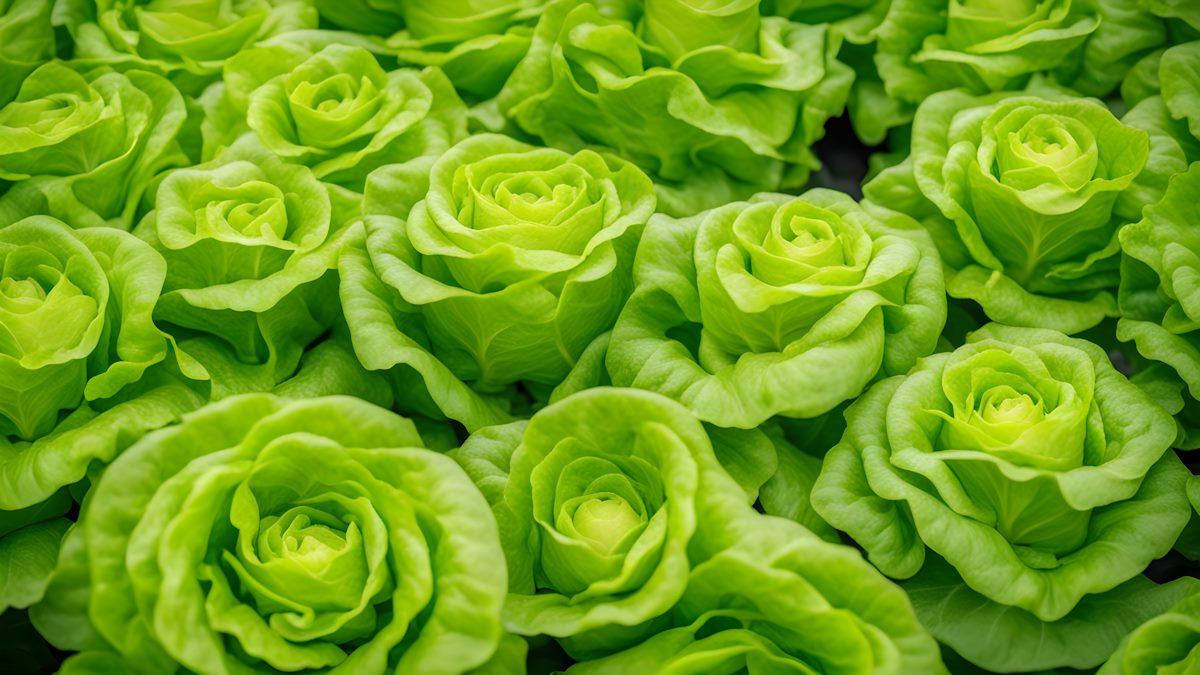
x,y
745,302
516,259
1010,405
1037,473
295,537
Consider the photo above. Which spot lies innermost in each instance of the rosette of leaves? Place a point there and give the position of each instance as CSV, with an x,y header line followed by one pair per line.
x,y
715,102
262,535
332,108
83,146
742,312
26,42
1159,303
927,46
251,244
767,595
1171,75
77,351
1024,196
1168,643
477,44
504,270
598,499
185,40
1026,484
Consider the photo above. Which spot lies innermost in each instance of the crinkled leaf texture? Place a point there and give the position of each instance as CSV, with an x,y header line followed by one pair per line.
x,y
333,108
477,44
1024,196
91,162
716,106
766,594
742,312
266,534
1160,291
1039,473
505,270
84,371
251,244
186,40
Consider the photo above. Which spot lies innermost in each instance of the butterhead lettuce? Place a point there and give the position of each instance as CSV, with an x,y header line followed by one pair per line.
x,y
512,262
740,312
1025,461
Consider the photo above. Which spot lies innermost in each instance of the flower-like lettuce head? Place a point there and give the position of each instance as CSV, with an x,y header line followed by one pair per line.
x,y
512,262
1026,462
597,500
1025,195
262,535
334,109
251,245
766,595
186,40
76,342
741,312
478,43
84,146
26,41
1160,282
714,100
1168,643
926,46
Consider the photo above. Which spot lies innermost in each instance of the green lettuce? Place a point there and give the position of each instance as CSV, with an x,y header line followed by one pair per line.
x,y
716,102
26,42
1041,476
251,245
504,270
1159,311
597,499
742,312
926,46
185,40
262,535
477,44
332,108
616,511
1024,196
85,146
1168,643
78,350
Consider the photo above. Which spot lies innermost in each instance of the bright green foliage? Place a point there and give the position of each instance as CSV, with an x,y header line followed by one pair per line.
x,y
1039,473
264,536
334,109
477,44
1024,196
618,523
927,46
84,146
1168,643
26,41
186,40
1160,304
251,245
715,102
513,261
655,372
597,498
741,312
77,347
